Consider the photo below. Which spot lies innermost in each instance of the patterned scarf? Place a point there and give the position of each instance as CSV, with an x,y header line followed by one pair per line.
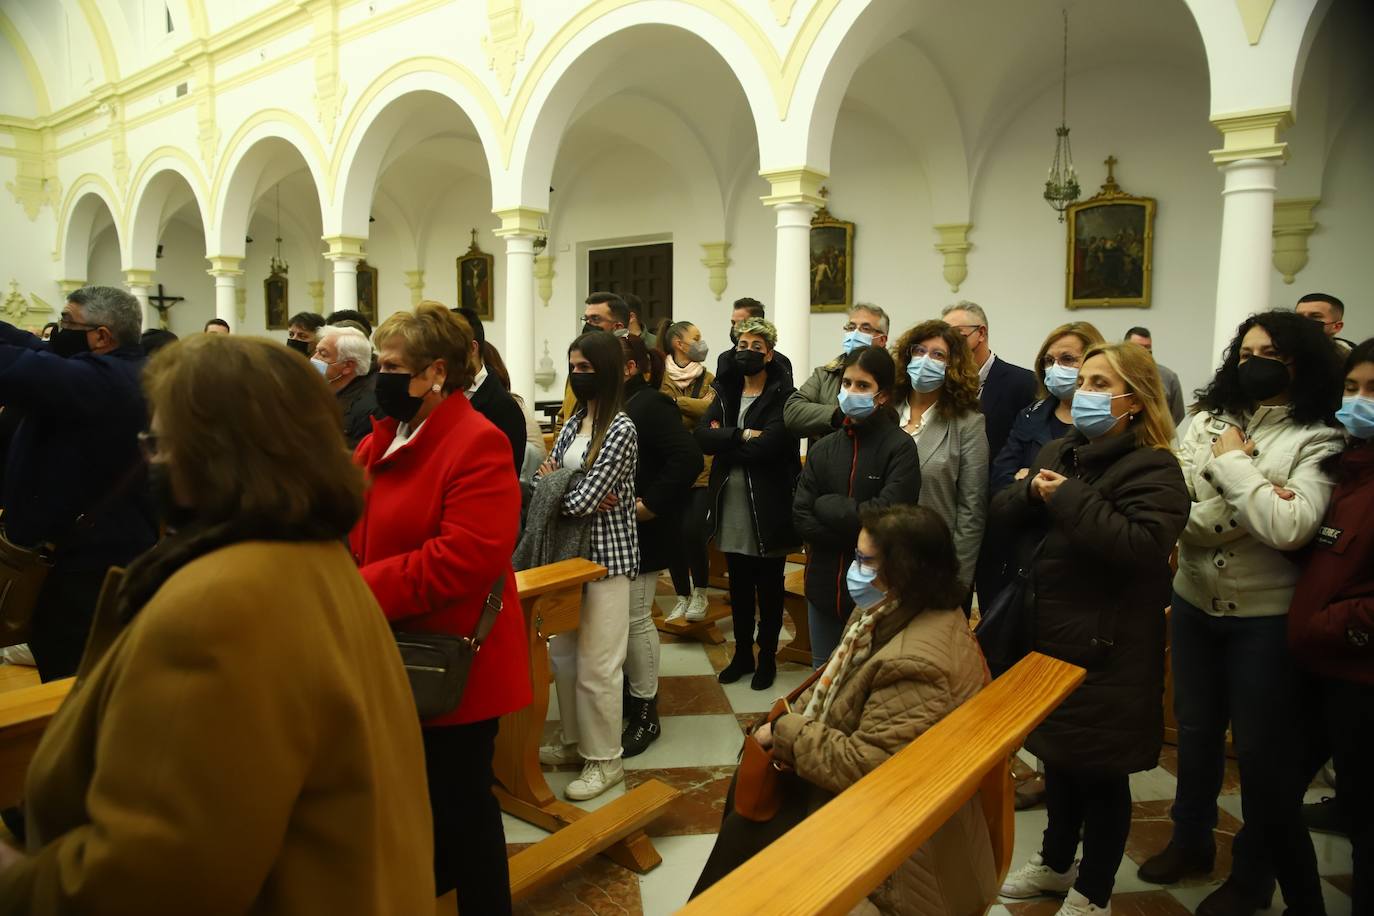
x,y
683,376
854,649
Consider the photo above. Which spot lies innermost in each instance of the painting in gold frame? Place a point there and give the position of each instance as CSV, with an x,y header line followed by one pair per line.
x,y
1110,248
832,263
475,271
275,293
367,291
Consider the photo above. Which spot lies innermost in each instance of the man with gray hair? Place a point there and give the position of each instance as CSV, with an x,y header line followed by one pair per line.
x,y
1004,390
75,483
813,410
343,356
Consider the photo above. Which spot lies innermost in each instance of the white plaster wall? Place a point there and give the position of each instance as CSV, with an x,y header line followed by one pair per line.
x,y
26,251
181,271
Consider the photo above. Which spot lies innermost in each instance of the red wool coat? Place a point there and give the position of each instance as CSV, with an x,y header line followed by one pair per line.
x,y
439,525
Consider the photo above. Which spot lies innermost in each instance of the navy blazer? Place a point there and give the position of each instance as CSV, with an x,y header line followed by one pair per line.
x,y
1008,391
1035,427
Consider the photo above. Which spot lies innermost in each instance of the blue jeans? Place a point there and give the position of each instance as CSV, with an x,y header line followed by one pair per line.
x,y
1239,670
826,631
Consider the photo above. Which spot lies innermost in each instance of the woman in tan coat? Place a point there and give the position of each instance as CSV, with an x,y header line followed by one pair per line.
x,y
906,660
241,737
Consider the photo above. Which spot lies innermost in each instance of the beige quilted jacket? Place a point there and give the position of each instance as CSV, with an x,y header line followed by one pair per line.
x,y
927,664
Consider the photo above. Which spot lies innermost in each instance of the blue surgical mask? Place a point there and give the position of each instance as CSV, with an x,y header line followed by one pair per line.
x,y
1357,416
1092,412
926,374
1061,381
853,340
861,587
856,406
321,367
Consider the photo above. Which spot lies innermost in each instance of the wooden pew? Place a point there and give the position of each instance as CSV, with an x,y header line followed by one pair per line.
x,y
835,858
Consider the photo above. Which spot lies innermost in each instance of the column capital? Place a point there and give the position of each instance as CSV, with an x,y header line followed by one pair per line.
x,y
799,185
716,262
1252,135
954,245
516,222
415,282
67,287
138,277
1293,223
344,247
225,266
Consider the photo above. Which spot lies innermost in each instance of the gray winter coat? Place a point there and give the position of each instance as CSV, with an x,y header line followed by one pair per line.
x,y
551,536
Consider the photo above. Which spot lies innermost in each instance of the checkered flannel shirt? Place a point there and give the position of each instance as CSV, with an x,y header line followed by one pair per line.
x,y
615,534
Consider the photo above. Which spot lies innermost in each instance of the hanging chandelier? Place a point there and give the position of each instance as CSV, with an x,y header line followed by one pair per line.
x,y
1061,187
279,265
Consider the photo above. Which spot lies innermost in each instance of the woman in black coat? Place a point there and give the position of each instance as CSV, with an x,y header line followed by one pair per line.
x,y
753,476
869,462
1109,502
669,462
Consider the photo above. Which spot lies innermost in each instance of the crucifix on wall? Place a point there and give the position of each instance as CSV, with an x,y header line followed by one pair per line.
x,y
163,303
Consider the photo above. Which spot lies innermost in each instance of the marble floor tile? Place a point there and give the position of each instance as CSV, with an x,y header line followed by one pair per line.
x,y
719,656
665,889
681,658
597,886
1230,784
1337,903
558,782
1153,785
702,803
692,741
744,698
1151,828
1333,852
691,695
518,832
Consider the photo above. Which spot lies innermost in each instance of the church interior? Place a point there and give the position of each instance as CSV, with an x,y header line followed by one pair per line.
x,y
247,160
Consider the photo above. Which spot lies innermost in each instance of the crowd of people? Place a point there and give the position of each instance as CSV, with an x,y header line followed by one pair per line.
x,y
934,470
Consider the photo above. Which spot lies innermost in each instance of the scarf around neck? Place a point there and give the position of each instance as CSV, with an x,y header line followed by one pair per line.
x,y
683,376
855,647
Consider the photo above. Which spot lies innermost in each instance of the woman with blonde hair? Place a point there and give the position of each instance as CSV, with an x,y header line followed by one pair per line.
x,y
937,405
1098,513
443,506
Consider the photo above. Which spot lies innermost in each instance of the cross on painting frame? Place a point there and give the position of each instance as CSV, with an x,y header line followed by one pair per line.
x,y
1110,249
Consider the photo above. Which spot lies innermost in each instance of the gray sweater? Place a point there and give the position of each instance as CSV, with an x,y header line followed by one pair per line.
x,y
551,536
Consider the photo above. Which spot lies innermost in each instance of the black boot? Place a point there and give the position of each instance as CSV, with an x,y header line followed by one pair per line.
x,y
1178,862
641,726
1236,899
740,665
767,670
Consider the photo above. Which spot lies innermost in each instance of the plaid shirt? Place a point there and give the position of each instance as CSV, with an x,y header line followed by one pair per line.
x,y
615,535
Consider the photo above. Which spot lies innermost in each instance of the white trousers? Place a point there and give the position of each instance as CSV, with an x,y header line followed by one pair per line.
x,y
587,667
641,660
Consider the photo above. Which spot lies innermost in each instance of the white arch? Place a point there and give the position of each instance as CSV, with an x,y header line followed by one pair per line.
x,y
549,104
237,183
163,172
373,123
87,196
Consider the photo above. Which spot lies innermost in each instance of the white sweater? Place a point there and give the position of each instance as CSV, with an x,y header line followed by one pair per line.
x,y
1231,557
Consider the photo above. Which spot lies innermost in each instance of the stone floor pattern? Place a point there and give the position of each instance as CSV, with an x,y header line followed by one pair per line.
x,y
702,729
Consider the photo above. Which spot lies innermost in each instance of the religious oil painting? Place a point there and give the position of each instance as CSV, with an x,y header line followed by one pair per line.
x,y
832,263
475,269
1111,242
274,293
367,291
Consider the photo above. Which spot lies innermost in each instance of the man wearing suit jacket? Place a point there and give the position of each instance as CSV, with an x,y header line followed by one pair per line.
x,y
490,398
1173,389
725,362
1004,390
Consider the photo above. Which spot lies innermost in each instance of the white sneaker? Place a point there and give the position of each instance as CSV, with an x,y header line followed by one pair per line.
x,y
557,755
1036,879
697,607
679,608
597,776
1075,904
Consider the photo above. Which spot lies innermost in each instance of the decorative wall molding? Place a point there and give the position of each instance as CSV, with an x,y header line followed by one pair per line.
x,y
505,45
330,90
954,245
1252,135
241,301
543,277
67,287
316,290
717,262
35,181
800,185
415,282
1293,224
113,108
1254,14
782,11
197,59
18,308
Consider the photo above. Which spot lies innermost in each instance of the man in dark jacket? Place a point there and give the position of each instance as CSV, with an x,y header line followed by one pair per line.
x,y
745,309
74,476
813,411
1004,390
344,357
490,398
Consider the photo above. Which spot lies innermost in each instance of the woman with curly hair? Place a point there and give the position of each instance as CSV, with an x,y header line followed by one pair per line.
x,y
937,405
1252,459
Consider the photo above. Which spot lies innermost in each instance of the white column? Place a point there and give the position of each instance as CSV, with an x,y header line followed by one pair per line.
x,y
226,272
139,283
345,280
519,349
1247,226
791,310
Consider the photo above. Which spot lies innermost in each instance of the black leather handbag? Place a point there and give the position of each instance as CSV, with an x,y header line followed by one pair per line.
x,y
438,665
1006,630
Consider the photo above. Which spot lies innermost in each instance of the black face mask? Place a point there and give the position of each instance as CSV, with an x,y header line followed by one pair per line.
x,y
588,327
750,362
1262,378
68,342
300,346
734,335
583,386
394,397
172,514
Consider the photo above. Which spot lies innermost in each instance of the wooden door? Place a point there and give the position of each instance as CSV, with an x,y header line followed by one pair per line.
x,y
644,270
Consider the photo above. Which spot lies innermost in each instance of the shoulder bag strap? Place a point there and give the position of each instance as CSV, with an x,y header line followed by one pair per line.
x,y
801,688
491,607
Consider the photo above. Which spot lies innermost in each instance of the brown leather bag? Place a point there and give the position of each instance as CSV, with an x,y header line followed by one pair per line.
x,y
22,574
758,788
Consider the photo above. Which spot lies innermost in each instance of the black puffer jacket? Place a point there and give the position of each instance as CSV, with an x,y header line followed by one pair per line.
x,y
1102,581
857,467
669,462
771,461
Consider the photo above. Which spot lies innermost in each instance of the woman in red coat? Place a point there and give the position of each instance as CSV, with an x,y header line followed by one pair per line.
x,y
438,529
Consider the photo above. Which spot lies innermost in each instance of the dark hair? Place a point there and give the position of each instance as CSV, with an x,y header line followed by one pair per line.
x,y
1336,304
50,326
753,306
602,350
959,393
218,322
1316,389
878,363
1138,331
1334,465
155,339
491,358
916,556
339,316
311,321
616,305
645,359
635,305
673,333
479,333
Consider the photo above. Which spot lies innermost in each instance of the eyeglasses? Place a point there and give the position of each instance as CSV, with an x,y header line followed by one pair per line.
x,y
866,562
596,320
864,328
148,444
68,325
1067,360
918,351
967,329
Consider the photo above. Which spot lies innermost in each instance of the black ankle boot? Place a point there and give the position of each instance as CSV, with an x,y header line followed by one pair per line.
x,y
1178,862
1236,899
641,726
740,665
767,670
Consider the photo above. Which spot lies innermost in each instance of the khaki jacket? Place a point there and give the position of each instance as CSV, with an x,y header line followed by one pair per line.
x,y
247,745
927,666
692,410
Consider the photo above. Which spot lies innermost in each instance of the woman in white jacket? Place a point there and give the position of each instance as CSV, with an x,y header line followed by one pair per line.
x,y
1252,461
